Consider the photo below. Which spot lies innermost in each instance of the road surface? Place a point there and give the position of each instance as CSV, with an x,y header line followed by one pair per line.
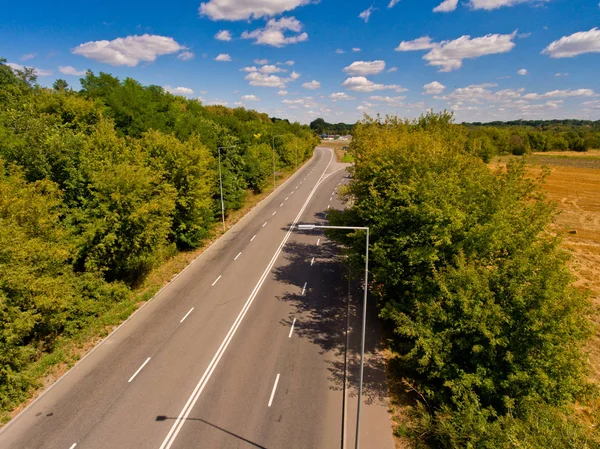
x,y
244,349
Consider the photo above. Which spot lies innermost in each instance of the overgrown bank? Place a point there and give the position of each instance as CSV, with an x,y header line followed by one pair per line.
x,y
486,326
99,187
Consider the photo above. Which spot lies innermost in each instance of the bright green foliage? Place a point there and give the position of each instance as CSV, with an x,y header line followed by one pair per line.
x,y
475,286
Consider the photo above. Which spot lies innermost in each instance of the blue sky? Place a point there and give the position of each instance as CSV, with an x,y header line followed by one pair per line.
x,y
302,59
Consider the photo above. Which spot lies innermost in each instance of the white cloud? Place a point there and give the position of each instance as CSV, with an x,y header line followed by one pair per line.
x,y
68,70
38,72
449,55
271,69
446,6
434,88
392,69
273,33
249,69
312,85
592,104
250,98
561,94
290,63
495,4
265,80
393,3
575,44
223,35
223,57
128,50
261,61
365,67
337,96
561,74
366,13
422,43
28,56
294,75
179,90
355,49
339,51
362,84
185,55
522,72
247,9
389,100
282,93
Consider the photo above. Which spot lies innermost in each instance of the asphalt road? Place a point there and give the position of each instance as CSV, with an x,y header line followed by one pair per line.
x,y
246,348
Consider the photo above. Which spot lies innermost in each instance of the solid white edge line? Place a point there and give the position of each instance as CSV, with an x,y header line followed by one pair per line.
x,y
274,389
189,405
186,315
312,261
292,328
253,237
239,254
216,280
138,370
304,288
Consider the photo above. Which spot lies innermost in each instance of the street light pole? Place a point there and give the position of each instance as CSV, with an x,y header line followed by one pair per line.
x,y
364,315
221,185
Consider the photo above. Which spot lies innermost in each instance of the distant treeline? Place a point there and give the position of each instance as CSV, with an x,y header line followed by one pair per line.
x,y
320,126
99,186
541,124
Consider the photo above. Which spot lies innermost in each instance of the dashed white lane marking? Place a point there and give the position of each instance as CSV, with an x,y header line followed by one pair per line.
x,y
286,198
292,193
318,241
74,445
239,254
312,261
328,206
253,237
274,212
292,328
264,224
274,389
186,315
304,288
139,369
216,280
281,205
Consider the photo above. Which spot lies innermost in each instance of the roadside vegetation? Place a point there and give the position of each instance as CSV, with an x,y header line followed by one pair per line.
x,y
486,327
98,188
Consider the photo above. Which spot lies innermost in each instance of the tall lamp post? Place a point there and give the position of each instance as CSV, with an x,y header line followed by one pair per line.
x,y
274,162
364,314
221,184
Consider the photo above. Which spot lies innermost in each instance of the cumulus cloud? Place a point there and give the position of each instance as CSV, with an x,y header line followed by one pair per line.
x,y
294,75
561,74
185,55
68,70
393,3
355,49
392,69
365,68
389,100
362,84
282,93
339,51
568,93
247,9
366,14
261,61
495,4
179,90
129,50
312,85
265,80
337,96
449,55
271,69
446,6
575,44
522,72
223,35
434,88
28,56
223,57
250,98
273,33
38,72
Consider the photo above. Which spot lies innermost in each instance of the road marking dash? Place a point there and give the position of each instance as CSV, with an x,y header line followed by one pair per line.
x,y
318,241
73,446
286,198
239,254
274,212
281,205
216,280
253,237
312,261
264,224
292,328
186,315
304,288
139,369
274,389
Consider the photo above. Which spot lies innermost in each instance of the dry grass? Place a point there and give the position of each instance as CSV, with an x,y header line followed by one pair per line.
x,y
335,144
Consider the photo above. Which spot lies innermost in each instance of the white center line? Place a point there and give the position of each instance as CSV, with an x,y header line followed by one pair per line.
x,y
286,198
186,315
281,205
239,254
331,197
274,388
73,447
328,206
253,237
139,369
292,329
292,193
312,261
264,224
318,241
304,288
274,212
216,280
